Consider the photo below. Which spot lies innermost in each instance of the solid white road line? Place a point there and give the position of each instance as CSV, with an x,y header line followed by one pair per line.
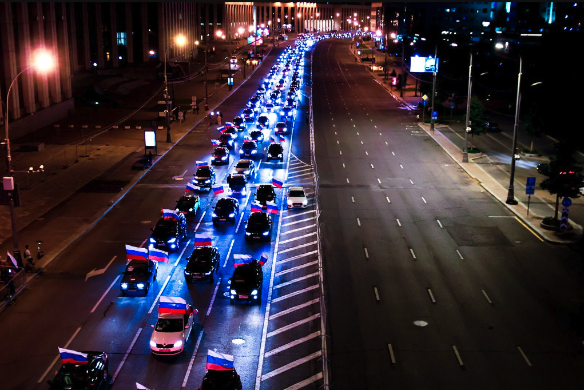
x,y
298,246
413,254
58,356
290,310
297,238
524,356
184,384
457,355
411,181
398,222
213,298
372,167
126,356
459,254
295,222
228,253
391,355
366,252
295,215
293,294
387,198
296,268
200,219
291,365
439,224
295,280
292,344
358,222
104,294
293,325
376,294
401,166
424,200
431,295
295,257
486,296
379,181
296,230
182,253
305,382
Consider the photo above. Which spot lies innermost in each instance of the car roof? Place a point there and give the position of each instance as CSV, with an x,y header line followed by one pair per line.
x,y
296,188
243,161
170,315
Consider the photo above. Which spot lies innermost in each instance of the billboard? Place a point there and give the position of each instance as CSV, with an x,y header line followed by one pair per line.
x,y
424,64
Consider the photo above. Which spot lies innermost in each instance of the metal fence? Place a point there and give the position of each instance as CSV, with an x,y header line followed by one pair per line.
x,y
11,288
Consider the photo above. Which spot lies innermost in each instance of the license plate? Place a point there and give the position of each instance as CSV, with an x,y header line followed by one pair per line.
x,y
223,219
164,349
243,297
257,237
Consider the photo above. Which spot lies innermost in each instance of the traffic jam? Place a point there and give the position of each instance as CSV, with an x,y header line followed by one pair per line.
x,y
264,196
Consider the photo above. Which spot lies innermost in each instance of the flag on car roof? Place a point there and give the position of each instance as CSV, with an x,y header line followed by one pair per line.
x,y
282,139
169,214
201,164
256,207
215,142
12,259
264,258
277,183
272,139
136,253
218,189
203,240
192,187
241,259
141,387
158,255
219,361
222,129
173,305
75,357
272,208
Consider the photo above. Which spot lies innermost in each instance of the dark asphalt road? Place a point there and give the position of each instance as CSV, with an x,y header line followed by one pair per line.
x,y
407,236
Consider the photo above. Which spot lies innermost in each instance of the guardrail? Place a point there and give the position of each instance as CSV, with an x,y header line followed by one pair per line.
x,y
10,289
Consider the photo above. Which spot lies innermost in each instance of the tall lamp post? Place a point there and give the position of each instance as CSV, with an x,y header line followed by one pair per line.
x,y
511,192
466,127
434,87
180,40
205,72
44,62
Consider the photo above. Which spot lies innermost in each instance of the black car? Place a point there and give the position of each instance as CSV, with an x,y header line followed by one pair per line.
x,y
204,177
258,226
275,152
221,380
263,121
138,276
286,113
237,184
220,155
492,126
280,128
188,205
168,232
203,262
248,115
256,135
248,149
246,283
92,375
543,168
226,210
265,193
231,130
238,123
226,140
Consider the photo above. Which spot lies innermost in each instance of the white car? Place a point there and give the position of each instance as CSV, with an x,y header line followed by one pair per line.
x,y
173,328
297,198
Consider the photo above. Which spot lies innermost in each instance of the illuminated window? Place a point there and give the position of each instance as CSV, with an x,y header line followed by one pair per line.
x,y
121,36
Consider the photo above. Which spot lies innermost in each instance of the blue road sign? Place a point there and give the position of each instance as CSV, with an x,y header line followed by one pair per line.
x,y
434,115
530,181
529,190
567,202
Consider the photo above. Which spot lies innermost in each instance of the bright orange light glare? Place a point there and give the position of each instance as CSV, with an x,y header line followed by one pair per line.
x,y
181,40
43,60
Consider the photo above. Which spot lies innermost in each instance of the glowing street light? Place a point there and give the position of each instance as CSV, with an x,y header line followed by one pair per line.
x,y
378,33
219,33
366,29
241,30
181,40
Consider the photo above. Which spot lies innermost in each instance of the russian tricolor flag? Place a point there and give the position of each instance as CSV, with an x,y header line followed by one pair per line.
x,y
241,259
272,139
158,255
277,183
282,139
215,142
219,361
264,258
256,207
192,187
201,164
222,129
136,253
203,240
70,356
173,305
218,189
168,213
272,208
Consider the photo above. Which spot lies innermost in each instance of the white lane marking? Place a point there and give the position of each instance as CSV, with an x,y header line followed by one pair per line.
x,y
348,180
459,254
182,253
213,298
298,307
457,355
291,177
411,181
338,143
297,238
335,133
372,167
358,222
295,280
293,344
361,142
295,215
366,252
286,271
424,200
159,293
293,294
401,166
340,152
58,356
309,168
413,254
100,271
387,198
524,356
305,382
357,133
184,384
297,230
431,295
299,246
291,365
228,253
293,325
288,259
376,294
352,199
391,353
242,214
439,224
398,222
104,294
379,133
366,153
391,152
343,165
300,221
379,181
126,356
200,219
486,296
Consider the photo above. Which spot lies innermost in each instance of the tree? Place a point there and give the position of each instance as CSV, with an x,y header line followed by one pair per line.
x,y
477,119
533,125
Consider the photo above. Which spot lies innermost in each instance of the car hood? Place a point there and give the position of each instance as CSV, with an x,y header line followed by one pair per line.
x,y
241,170
167,338
161,236
198,267
259,228
202,177
244,287
134,278
295,199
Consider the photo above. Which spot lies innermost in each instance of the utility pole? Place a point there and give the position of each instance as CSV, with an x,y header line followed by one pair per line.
x,y
511,193
467,127
167,103
206,89
401,87
434,87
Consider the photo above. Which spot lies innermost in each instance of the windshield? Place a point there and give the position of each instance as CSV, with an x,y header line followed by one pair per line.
x,y
249,145
257,220
297,194
238,121
242,164
224,205
169,325
203,172
220,152
275,149
280,124
237,180
134,270
163,228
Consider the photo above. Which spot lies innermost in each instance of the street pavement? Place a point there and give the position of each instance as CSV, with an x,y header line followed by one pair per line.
x,y
431,282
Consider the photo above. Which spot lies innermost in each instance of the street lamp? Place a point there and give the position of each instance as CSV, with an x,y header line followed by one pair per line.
x,y
180,40
205,72
44,62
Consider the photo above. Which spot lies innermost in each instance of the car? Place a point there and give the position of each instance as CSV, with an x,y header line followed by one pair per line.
x,y
492,126
248,149
202,263
92,375
269,107
239,123
275,152
142,164
246,167
220,155
257,136
263,121
204,177
226,210
138,276
227,129
246,283
253,101
296,198
258,226
233,60
543,168
188,205
237,184
224,379
168,232
265,193
291,102
173,327
280,128
248,115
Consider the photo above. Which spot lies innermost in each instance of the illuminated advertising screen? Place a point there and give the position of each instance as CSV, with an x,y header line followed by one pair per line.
x,y
150,139
424,64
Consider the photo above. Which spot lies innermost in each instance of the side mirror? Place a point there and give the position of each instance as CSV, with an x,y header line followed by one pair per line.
x,y
152,326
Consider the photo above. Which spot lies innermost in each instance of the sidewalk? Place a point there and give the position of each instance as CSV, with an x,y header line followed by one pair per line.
x,y
539,205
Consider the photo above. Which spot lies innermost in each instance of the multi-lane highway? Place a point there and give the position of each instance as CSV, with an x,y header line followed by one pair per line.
x,y
431,283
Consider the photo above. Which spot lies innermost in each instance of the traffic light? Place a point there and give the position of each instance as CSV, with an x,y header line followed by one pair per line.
x,y
564,220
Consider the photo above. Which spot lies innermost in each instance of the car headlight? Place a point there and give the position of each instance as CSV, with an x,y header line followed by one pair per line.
x,y
247,233
254,151
191,209
266,233
152,344
246,171
178,344
214,215
223,158
304,202
208,273
231,215
280,155
173,239
140,286
124,286
208,181
187,272
152,240
233,292
254,292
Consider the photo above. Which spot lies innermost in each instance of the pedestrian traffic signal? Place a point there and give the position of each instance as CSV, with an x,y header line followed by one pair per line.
x,y
564,220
